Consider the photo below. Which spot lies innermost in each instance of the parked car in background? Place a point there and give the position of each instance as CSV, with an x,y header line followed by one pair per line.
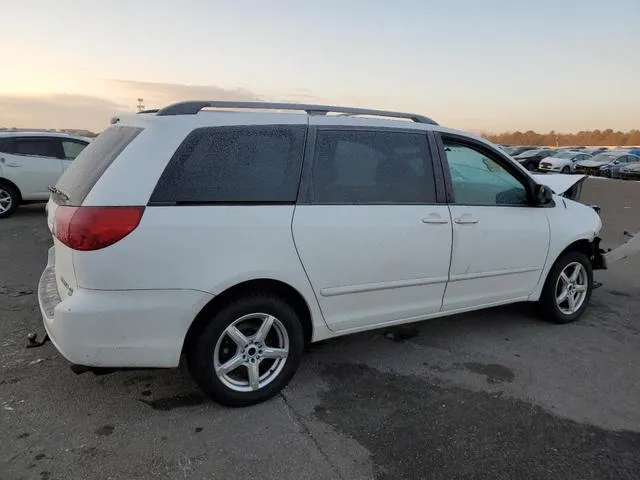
x,y
31,162
518,149
606,164
563,162
594,150
531,158
634,151
631,160
630,171
282,229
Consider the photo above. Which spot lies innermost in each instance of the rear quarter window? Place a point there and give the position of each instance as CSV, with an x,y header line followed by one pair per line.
x,y
78,180
248,164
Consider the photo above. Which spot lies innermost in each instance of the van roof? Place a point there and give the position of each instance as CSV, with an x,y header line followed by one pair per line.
x,y
194,107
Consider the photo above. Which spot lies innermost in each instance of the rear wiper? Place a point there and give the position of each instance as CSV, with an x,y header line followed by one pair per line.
x,y
59,193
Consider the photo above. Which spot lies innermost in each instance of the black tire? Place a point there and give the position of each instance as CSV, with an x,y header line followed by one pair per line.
x,y
200,353
565,170
548,305
530,166
13,195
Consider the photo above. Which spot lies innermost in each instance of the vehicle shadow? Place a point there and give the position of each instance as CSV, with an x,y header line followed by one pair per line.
x,y
30,210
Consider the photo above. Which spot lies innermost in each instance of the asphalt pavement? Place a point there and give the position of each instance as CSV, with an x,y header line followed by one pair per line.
x,y
495,394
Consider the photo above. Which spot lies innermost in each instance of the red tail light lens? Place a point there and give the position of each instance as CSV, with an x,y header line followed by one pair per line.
x,y
93,228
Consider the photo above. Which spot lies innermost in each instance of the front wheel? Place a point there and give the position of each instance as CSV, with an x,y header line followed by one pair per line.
x,y
565,170
567,289
9,199
531,166
248,351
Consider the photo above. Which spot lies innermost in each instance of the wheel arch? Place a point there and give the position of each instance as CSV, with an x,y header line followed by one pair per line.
x,y
13,185
276,287
584,245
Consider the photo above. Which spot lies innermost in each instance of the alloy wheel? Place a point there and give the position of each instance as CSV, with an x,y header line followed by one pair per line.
x,y
251,352
571,288
5,201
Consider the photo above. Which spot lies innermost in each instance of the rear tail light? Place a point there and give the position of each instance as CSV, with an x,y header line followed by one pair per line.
x,y
93,228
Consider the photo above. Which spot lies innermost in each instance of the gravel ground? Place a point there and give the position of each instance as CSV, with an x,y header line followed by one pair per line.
x,y
495,394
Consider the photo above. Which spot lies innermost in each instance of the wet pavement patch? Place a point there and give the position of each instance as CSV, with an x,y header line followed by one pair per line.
x,y
415,429
401,333
618,293
494,372
177,401
105,430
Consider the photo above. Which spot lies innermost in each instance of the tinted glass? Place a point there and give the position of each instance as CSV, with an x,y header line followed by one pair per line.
x,y
364,167
72,149
531,153
479,180
234,165
604,157
78,180
39,147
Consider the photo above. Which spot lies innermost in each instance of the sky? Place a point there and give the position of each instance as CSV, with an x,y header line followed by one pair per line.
x,y
480,65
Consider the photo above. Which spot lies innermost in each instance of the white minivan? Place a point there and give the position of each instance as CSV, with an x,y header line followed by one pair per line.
x,y
236,233
31,162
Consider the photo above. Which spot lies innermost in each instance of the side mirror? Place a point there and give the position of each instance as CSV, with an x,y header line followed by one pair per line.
x,y
543,195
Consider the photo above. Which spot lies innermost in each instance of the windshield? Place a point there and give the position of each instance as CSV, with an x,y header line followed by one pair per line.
x,y
531,153
603,158
564,155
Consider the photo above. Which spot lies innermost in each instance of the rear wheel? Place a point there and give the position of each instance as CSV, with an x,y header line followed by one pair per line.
x,y
567,289
249,350
9,199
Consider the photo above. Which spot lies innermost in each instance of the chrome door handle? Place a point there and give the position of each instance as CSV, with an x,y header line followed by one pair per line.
x,y
465,219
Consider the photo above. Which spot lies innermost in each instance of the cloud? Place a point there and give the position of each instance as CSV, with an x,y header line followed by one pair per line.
x,y
110,97
157,95
57,111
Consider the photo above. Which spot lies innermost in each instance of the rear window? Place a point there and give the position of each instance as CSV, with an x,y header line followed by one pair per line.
x,y
249,164
78,180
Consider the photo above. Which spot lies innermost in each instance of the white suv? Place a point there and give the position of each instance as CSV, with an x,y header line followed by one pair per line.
x,y
236,233
31,162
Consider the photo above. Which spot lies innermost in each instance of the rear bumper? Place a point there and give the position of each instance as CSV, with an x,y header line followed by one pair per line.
x,y
117,328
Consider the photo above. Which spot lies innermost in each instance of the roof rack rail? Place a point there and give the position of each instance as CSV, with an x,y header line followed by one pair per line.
x,y
152,110
193,107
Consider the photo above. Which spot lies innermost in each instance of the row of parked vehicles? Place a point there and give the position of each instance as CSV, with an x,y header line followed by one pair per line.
x,y
598,161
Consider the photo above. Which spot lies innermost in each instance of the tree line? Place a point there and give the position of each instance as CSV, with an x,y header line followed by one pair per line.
x,y
606,137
